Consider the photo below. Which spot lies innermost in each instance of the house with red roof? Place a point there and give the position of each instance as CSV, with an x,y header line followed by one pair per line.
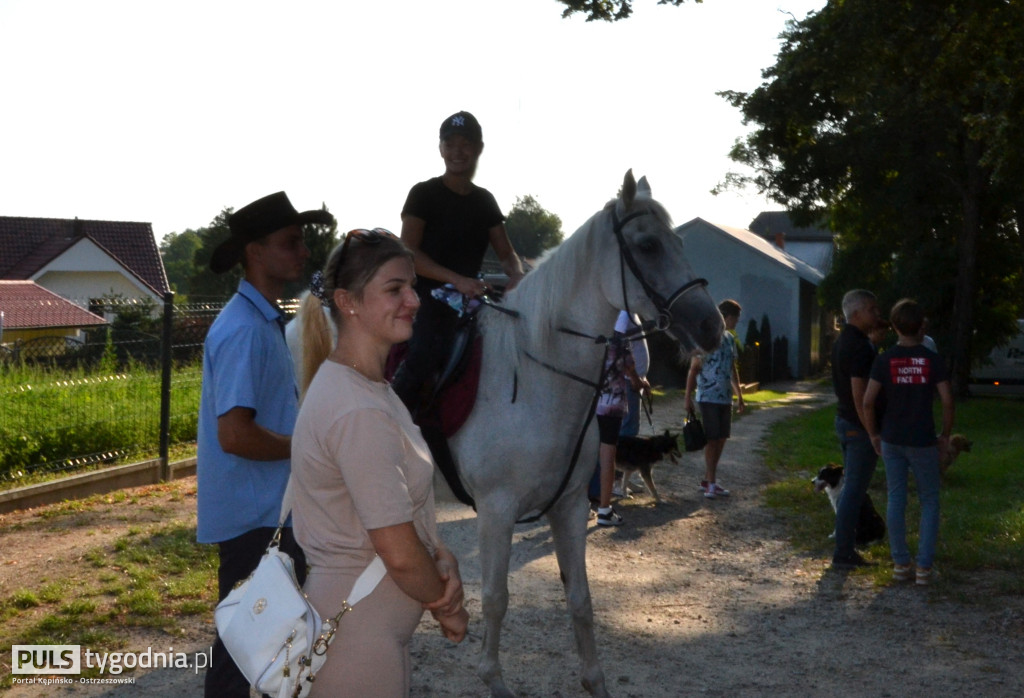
x,y
81,261
28,311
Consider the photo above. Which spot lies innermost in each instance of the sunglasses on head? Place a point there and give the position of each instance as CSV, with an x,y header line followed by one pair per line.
x,y
364,236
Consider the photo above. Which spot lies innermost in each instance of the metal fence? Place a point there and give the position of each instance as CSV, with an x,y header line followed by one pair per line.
x,y
127,390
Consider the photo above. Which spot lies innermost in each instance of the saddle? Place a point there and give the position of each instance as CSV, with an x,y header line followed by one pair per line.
x,y
453,396
454,392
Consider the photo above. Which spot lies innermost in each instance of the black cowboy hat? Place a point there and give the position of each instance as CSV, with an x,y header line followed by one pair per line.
x,y
257,220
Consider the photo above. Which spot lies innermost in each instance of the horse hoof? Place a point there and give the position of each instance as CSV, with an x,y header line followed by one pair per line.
x,y
596,689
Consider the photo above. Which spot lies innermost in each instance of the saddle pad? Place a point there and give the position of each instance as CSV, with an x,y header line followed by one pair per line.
x,y
456,399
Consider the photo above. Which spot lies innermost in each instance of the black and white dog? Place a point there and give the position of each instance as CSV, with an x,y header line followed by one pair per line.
x,y
640,453
870,526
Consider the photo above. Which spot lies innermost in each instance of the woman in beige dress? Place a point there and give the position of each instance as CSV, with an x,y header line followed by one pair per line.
x,y
363,477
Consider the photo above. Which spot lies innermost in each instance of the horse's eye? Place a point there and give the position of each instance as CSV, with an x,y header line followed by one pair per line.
x,y
648,245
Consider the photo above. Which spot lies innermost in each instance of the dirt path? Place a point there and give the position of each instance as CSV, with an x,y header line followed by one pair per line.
x,y
705,597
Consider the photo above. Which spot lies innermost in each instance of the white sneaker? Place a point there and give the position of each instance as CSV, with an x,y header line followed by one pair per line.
x,y
611,518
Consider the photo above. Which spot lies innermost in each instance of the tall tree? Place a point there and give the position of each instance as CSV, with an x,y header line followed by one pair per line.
x,y
898,122
205,285
178,251
531,228
607,10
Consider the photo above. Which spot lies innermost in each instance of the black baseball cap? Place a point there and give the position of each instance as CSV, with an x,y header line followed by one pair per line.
x,y
462,124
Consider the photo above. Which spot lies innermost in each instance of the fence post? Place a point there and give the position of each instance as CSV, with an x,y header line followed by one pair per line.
x,y
165,387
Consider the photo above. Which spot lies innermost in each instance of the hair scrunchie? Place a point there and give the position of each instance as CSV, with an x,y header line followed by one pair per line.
x,y
316,287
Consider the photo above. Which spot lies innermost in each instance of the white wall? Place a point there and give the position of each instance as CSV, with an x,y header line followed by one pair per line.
x,y
86,271
758,284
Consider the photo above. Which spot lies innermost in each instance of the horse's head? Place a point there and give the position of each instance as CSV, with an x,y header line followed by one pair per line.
x,y
650,276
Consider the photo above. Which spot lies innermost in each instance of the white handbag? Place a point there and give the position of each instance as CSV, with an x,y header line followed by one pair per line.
x,y
270,629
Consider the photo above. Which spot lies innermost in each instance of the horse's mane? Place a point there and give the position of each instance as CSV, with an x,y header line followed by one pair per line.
x,y
553,277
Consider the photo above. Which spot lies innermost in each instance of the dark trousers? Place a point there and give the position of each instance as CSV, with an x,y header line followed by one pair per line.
x,y
238,558
859,460
433,333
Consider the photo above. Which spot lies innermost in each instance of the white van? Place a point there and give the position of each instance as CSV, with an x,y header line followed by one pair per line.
x,y
1004,371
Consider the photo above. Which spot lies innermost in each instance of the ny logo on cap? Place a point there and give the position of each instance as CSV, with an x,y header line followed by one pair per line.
x,y
458,121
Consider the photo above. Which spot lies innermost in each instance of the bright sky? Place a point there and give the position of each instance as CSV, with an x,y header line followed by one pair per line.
x,y
167,112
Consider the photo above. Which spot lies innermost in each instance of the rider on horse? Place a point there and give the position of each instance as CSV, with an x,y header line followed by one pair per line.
x,y
448,222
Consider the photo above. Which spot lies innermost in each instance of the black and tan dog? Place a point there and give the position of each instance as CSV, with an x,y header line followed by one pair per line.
x,y
640,453
870,526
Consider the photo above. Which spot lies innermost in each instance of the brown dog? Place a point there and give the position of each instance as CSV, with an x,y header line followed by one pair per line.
x,y
958,443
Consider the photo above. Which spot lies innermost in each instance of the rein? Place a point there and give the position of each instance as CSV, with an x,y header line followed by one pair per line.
x,y
647,329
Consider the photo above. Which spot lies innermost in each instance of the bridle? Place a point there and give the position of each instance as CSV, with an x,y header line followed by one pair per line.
x,y
664,308
626,259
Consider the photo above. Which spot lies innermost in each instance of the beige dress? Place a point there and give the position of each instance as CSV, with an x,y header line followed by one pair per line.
x,y
358,463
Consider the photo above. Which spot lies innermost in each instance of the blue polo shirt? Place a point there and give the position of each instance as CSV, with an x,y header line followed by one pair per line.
x,y
246,363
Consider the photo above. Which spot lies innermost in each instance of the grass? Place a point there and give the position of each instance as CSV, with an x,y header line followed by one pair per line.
x,y
982,498
60,420
146,579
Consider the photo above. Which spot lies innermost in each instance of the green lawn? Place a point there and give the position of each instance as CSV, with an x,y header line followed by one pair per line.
x,y
982,496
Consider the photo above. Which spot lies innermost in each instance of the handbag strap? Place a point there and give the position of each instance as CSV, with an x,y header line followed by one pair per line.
x,y
367,581
370,577
286,503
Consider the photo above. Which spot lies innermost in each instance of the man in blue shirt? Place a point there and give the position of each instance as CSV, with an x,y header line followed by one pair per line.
x,y
248,405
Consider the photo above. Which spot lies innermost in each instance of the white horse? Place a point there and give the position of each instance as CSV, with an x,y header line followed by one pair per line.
x,y
515,453
512,456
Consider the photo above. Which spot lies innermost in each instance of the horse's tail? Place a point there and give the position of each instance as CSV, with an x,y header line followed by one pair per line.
x,y
316,339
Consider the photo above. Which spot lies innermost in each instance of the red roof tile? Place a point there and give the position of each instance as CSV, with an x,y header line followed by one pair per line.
x,y
27,305
28,244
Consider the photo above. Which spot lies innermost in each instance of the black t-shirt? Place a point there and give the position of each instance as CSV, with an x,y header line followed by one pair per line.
x,y
908,376
457,227
852,357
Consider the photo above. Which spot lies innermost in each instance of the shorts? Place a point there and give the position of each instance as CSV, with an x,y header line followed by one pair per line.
x,y
608,427
717,420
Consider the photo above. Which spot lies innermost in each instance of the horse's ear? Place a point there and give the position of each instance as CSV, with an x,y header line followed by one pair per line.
x,y
628,190
643,189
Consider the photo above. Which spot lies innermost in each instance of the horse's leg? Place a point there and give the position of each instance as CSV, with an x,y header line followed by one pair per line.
x,y
568,521
494,525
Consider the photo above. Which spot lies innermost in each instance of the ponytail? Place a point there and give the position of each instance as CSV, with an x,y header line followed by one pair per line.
x,y
316,340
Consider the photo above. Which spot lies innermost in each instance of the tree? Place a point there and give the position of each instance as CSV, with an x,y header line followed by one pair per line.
x,y
901,124
607,10
178,251
531,228
205,285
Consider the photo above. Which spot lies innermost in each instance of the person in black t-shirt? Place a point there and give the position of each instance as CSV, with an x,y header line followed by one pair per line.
x,y
909,375
852,357
448,222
